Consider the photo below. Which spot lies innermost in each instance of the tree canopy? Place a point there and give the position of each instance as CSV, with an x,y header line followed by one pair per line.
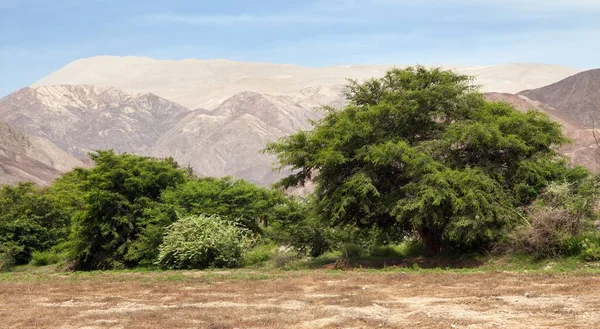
x,y
421,151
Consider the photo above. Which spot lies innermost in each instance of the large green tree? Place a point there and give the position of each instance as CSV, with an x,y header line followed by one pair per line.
x,y
421,151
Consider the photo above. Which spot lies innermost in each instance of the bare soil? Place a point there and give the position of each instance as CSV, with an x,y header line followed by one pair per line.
x,y
318,299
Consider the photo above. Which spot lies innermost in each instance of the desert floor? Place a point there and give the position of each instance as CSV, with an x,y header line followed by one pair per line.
x,y
300,299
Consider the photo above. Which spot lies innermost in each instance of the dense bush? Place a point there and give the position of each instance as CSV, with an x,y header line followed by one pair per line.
x,y
202,241
30,221
110,230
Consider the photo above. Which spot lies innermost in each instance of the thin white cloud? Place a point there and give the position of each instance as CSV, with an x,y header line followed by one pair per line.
x,y
269,19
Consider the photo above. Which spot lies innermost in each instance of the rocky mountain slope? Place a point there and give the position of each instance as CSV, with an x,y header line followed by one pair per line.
x,y
239,108
83,118
576,97
27,158
207,83
229,140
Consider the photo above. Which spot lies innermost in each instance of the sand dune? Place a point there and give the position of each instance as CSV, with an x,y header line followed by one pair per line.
x,y
207,83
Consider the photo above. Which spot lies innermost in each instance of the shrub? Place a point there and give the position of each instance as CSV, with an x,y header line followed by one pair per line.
x,y
260,254
31,220
286,260
557,221
549,233
7,261
112,228
48,257
55,255
197,242
306,236
590,249
8,255
352,250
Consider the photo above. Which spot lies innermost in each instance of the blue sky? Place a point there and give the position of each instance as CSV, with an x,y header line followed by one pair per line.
x,y
39,36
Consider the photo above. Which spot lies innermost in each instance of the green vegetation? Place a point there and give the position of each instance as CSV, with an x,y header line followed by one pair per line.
x,y
421,152
417,164
202,242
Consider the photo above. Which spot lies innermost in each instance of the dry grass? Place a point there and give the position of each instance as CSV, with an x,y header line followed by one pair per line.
x,y
319,299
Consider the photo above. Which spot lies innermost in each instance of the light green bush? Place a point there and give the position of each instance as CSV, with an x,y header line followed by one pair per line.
x,y
260,254
197,242
48,257
590,249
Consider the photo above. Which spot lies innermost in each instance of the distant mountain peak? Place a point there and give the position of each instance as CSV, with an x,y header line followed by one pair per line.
x,y
84,118
576,97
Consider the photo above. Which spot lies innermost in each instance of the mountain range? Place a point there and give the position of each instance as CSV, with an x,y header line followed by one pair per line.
x,y
217,115
30,158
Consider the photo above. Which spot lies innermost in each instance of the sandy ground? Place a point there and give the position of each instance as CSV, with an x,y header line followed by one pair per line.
x,y
320,299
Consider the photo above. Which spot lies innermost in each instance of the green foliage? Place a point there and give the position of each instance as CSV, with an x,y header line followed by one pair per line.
x,y
405,249
197,242
307,236
108,231
236,200
115,214
420,151
8,255
352,250
48,257
30,219
590,249
260,254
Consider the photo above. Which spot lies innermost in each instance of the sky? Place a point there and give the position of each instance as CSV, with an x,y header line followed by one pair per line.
x,y
38,37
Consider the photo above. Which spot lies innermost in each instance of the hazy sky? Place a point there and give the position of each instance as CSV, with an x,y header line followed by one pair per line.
x,y
39,36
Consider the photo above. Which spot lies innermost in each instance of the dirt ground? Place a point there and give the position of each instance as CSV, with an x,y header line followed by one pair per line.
x,y
318,299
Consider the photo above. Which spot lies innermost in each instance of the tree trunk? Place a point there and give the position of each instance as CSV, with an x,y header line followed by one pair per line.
x,y
432,241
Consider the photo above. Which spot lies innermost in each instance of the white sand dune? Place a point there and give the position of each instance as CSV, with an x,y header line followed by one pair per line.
x,y
207,83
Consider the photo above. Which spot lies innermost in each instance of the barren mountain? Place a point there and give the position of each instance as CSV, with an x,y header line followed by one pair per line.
x,y
228,140
242,106
26,158
207,83
576,97
83,118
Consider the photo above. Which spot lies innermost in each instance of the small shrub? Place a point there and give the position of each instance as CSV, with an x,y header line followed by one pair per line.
x,y
590,249
550,233
197,242
260,254
8,254
407,248
307,236
48,257
7,261
352,250
285,259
